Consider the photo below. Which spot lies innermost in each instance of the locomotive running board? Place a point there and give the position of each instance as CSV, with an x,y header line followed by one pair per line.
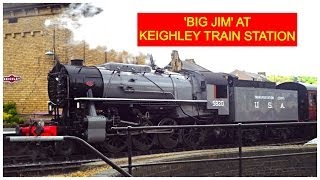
x,y
158,131
140,100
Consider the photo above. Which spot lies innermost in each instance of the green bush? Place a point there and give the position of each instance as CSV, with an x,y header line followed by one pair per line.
x,y
10,115
9,105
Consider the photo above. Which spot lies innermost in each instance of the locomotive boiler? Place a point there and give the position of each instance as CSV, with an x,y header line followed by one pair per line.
x,y
87,101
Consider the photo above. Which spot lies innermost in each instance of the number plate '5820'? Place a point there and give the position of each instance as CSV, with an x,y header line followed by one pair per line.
x,y
217,103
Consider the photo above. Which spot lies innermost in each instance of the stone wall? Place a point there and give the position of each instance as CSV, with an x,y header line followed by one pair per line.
x,y
25,42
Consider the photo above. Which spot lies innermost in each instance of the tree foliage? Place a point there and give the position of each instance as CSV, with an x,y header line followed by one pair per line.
x,y
125,57
10,115
304,79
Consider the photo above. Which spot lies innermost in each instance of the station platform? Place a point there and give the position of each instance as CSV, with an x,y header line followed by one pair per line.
x,y
301,165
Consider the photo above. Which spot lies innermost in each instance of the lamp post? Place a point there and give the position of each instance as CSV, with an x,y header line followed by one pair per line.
x,y
105,55
84,51
51,54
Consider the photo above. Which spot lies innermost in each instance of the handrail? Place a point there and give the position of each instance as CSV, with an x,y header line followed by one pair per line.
x,y
217,160
62,138
213,125
239,127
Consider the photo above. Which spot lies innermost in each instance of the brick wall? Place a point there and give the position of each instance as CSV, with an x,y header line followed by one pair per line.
x,y
302,165
24,45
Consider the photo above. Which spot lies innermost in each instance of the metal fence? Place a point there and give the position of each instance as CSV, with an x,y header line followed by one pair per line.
x,y
73,138
239,127
129,129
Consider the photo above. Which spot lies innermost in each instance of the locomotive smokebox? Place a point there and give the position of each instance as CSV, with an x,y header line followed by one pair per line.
x,y
70,81
76,62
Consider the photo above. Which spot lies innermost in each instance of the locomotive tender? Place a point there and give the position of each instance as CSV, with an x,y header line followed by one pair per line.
x,y
95,98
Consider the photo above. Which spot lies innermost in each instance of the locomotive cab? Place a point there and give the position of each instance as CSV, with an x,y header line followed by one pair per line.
x,y
217,89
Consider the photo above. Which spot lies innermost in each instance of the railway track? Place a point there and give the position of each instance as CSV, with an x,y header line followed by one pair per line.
x,y
37,164
43,168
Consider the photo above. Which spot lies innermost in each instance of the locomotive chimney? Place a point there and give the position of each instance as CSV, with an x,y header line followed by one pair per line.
x,y
77,62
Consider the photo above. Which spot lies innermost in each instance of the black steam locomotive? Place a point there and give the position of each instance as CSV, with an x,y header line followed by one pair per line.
x,y
88,101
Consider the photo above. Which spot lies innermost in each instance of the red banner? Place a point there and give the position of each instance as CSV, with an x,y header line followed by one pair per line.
x,y
217,29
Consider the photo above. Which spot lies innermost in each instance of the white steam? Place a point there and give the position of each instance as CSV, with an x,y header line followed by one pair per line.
x,y
91,23
77,18
106,25
74,17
